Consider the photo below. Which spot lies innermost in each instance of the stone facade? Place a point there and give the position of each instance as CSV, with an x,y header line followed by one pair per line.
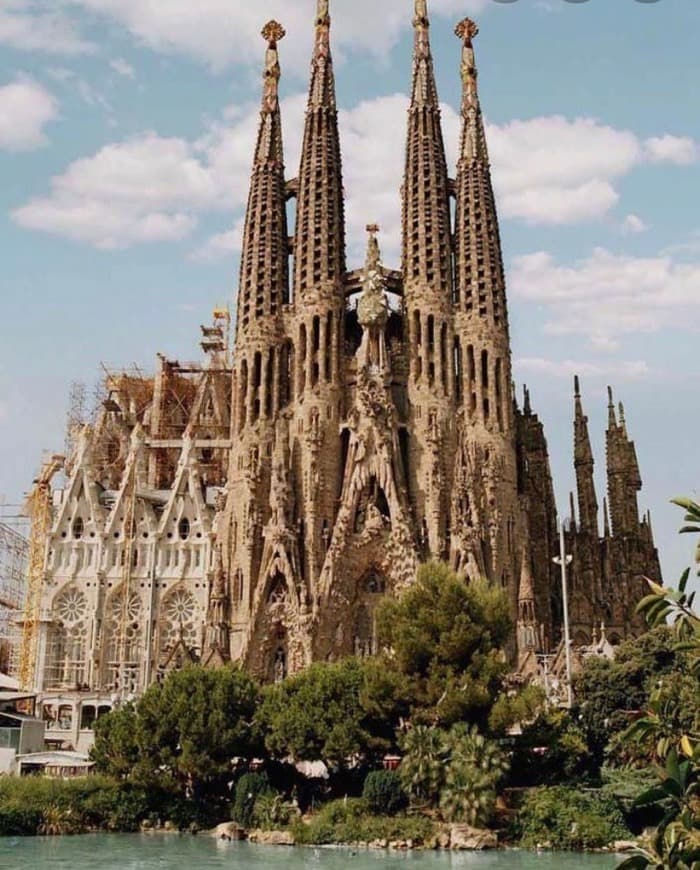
x,y
258,508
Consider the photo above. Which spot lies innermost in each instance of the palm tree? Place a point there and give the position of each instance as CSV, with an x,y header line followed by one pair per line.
x,y
422,767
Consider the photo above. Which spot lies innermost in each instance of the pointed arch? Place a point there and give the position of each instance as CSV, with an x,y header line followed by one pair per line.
x,y
66,659
122,641
178,622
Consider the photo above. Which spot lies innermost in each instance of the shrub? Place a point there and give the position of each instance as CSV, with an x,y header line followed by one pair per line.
x,y
563,818
383,793
119,807
248,789
348,822
35,804
272,812
18,821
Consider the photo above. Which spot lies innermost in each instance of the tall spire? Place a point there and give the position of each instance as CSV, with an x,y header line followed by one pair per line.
x,y
612,419
527,626
480,280
426,207
624,481
264,278
319,249
584,465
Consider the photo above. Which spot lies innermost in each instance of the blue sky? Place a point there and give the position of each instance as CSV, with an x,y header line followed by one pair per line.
x,y
125,143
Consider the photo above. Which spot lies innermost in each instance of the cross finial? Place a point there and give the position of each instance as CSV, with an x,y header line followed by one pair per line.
x,y
373,229
273,32
467,29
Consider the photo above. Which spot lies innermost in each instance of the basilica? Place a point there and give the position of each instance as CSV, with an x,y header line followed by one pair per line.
x,y
256,506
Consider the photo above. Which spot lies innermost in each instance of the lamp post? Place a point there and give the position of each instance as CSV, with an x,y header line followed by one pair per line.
x,y
563,560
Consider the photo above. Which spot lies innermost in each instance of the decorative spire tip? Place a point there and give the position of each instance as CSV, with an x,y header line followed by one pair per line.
x,y
273,32
323,15
466,30
421,13
577,387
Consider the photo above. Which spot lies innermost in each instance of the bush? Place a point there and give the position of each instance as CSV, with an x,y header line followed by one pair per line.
x,y
118,807
18,821
563,818
347,822
34,804
383,793
272,812
248,789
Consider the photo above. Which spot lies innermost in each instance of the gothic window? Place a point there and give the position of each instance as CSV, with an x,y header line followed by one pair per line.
x,y
499,393
66,658
238,587
178,621
243,408
78,528
257,380
363,633
279,665
183,529
122,637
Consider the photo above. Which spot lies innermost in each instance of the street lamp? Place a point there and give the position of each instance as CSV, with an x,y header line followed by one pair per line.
x,y
563,560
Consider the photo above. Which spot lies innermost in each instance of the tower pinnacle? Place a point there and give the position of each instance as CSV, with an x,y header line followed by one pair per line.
x,y
319,250
480,276
263,280
426,208
584,466
473,136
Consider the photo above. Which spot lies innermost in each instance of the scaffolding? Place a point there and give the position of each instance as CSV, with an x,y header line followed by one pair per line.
x,y
76,416
39,511
14,550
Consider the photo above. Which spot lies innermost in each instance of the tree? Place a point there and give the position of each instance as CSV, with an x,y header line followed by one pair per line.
x,y
116,750
475,766
422,767
182,734
445,638
320,714
611,693
676,842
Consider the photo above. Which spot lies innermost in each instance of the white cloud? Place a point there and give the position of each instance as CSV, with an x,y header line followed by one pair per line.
x,y
681,150
620,369
143,190
223,32
546,171
123,68
608,296
633,224
25,109
31,25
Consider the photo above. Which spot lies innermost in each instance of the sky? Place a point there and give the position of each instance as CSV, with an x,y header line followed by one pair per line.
x,y
126,138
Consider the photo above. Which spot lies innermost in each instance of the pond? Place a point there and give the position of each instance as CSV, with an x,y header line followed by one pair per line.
x,y
175,852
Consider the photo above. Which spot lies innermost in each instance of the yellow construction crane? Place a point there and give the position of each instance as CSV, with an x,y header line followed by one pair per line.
x,y
127,565
38,509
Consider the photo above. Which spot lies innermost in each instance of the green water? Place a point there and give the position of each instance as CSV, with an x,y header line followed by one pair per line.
x,y
173,852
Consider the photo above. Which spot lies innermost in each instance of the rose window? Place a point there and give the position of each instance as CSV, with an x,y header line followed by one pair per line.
x,y
180,607
133,608
179,623
71,606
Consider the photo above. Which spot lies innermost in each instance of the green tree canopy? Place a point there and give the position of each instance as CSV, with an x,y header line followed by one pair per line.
x,y
329,712
446,639
610,693
184,732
